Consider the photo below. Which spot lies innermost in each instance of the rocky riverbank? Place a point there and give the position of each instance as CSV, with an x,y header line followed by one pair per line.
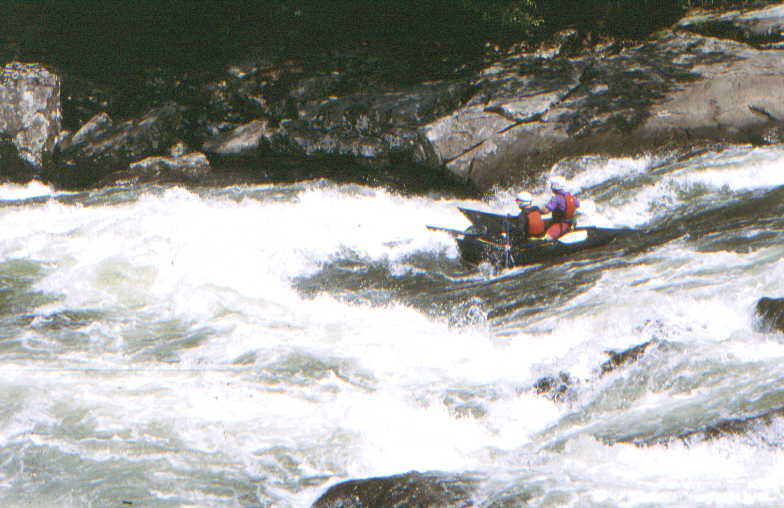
x,y
710,78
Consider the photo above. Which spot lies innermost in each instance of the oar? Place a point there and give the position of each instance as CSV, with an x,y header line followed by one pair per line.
x,y
508,259
452,231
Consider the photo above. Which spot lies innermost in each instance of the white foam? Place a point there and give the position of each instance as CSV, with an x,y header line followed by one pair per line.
x,y
18,192
183,243
705,181
223,265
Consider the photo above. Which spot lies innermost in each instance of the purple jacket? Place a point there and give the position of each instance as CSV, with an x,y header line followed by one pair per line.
x,y
557,205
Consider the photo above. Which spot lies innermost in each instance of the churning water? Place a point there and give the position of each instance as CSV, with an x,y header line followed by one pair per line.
x,y
251,345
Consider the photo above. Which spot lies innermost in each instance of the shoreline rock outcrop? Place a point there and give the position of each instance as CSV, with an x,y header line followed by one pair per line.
x,y
712,78
30,110
114,146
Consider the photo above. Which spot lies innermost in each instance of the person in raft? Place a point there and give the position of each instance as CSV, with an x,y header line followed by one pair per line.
x,y
529,222
563,206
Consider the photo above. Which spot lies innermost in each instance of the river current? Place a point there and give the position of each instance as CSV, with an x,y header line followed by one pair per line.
x,y
253,344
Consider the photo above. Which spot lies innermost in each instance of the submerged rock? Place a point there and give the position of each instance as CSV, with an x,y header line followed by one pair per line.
x,y
554,388
769,314
30,111
410,489
624,357
732,427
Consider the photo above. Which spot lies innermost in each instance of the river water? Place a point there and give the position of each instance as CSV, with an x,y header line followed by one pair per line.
x,y
253,344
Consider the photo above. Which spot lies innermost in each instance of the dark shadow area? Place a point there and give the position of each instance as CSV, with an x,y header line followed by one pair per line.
x,y
404,179
115,40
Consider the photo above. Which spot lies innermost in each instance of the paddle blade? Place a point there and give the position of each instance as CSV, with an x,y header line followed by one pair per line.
x,y
571,237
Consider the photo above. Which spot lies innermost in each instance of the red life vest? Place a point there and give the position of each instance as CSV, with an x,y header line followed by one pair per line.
x,y
535,223
570,206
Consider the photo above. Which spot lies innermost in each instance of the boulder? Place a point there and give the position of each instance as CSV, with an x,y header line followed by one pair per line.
x,y
186,166
372,128
410,489
769,314
245,140
114,147
297,138
554,388
529,112
91,130
94,127
630,355
30,110
374,113
734,90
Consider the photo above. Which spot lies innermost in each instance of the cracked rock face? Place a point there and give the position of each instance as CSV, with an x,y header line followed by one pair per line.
x,y
682,87
30,110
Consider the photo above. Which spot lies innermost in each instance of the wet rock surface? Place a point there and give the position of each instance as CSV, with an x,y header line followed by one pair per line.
x,y
410,489
554,388
769,314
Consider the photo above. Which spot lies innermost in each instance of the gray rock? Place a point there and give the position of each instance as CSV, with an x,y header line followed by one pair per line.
x,y
30,110
681,88
97,125
618,359
769,314
372,114
297,138
188,166
732,83
116,147
374,129
554,388
246,139
439,490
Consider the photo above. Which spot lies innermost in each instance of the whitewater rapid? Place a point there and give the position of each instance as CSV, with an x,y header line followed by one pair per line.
x,y
253,344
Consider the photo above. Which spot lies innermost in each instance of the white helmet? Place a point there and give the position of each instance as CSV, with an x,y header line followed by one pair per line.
x,y
524,198
558,183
